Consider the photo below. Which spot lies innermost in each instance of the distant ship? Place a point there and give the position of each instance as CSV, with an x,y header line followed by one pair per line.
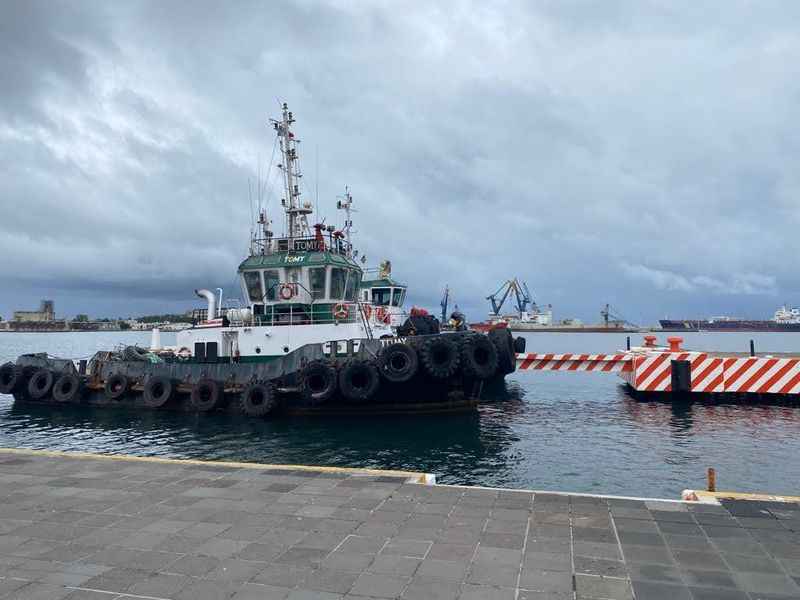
x,y
785,319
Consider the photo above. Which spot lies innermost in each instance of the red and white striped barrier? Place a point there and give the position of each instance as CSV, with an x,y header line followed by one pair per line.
x,y
602,363
651,370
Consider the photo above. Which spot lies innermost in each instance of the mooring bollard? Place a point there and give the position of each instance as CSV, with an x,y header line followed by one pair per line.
x,y
752,348
628,343
712,480
649,341
675,343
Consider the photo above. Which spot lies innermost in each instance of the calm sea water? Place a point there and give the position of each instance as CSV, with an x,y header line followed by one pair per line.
x,y
546,431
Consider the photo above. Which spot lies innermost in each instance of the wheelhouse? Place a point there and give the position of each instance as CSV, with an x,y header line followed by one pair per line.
x,y
383,292
305,287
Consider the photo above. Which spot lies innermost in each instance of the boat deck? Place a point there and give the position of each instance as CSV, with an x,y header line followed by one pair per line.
x,y
101,528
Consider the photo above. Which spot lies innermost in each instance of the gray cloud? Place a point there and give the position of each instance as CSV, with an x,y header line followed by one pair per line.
x,y
640,154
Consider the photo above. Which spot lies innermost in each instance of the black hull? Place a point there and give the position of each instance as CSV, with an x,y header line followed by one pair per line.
x,y
700,325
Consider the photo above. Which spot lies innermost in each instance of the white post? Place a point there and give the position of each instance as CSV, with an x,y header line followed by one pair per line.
x,y
155,339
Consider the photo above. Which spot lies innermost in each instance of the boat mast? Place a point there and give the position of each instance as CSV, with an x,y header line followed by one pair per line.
x,y
296,222
347,206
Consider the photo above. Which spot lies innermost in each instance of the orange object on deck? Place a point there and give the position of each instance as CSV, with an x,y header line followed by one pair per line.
x,y
675,343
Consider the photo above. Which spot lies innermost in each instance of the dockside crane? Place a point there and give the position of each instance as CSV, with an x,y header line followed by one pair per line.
x,y
610,315
522,295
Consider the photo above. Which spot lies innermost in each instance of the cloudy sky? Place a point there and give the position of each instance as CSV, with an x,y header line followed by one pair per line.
x,y
640,153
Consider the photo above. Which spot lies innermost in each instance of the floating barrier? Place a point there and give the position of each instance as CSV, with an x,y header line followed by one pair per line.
x,y
654,370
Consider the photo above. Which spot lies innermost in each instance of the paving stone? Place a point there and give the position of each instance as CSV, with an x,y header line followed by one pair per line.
x,y
235,570
312,595
483,592
362,545
546,581
599,566
206,590
493,574
459,552
690,559
256,591
196,566
345,561
431,590
411,548
283,575
549,561
716,579
442,570
396,565
717,594
654,572
160,585
329,580
650,590
766,583
379,586
592,586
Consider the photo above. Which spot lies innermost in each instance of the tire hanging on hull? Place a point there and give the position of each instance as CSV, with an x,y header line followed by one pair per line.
x,y
440,357
359,380
258,400
398,362
157,391
478,357
68,389
206,395
40,384
318,381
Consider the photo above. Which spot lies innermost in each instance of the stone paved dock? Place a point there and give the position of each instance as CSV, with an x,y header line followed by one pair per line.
x,y
103,529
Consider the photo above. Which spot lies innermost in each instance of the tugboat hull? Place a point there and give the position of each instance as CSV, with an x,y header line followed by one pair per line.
x,y
367,377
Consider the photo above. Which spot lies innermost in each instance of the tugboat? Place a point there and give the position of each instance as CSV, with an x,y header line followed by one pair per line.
x,y
314,337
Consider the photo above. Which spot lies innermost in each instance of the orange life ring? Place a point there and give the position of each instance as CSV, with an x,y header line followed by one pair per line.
x,y
367,311
286,292
340,312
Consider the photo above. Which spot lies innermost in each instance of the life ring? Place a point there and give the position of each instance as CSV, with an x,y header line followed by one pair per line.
x,y
340,312
383,315
286,291
367,311
184,353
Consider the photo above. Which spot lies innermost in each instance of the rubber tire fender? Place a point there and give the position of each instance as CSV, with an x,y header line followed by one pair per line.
x,y
504,342
116,386
359,380
258,399
440,357
10,378
67,388
206,395
318,381
398,362
478,356
157,391
40,384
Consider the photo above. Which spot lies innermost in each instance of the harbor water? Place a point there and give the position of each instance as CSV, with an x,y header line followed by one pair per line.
x,y
576,432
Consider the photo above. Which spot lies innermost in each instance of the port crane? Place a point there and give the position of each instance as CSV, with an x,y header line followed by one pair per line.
x,y
610,315
522,295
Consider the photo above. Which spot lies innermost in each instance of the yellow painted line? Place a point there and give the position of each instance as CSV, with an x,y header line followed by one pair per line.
x,y
746,496
413,476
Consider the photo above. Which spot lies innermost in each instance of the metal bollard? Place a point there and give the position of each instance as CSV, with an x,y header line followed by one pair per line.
x,y
711,479
628,343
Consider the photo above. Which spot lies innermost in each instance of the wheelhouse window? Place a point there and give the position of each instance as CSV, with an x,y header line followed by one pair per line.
x,y
317,281
381,296
338,278
252,281
398,295
271,281
353,283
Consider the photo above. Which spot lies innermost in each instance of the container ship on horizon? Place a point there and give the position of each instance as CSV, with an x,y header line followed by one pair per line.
x,y
785,319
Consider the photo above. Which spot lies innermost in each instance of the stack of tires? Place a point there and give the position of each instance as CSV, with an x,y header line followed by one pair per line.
x,y
41,384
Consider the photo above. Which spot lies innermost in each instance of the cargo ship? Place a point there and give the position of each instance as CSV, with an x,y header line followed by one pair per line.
x,y
785,319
